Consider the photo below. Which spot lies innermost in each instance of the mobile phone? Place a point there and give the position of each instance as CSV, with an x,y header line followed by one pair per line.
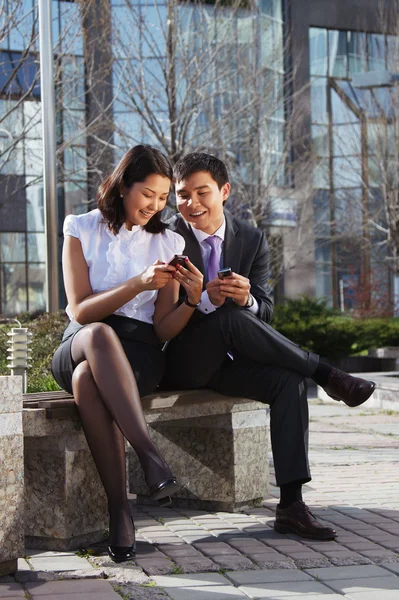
x,y
178,259
222,273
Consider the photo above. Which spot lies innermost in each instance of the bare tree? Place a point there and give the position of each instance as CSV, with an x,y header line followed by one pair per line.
x,y
194,76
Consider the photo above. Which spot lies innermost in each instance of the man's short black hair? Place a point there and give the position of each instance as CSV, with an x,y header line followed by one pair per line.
x,y
200,161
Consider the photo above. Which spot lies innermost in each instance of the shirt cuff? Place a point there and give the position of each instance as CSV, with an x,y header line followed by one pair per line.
x,y
255,307
206,305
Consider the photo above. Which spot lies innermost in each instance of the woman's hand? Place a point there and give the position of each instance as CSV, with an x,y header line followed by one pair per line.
x,y
191,279
156,276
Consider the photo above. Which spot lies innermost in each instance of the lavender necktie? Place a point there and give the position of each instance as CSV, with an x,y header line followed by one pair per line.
x,y
214,257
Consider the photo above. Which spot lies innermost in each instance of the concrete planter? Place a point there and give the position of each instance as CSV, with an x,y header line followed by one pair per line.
x,y
11,475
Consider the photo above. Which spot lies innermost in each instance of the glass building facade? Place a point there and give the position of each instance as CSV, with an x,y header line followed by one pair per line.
x,y
185,75
22,237
353,134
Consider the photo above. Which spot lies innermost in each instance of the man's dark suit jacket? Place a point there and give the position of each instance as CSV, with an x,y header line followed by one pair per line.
x,y
245,251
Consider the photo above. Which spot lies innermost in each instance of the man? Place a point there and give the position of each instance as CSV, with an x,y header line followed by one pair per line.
x,y
228,344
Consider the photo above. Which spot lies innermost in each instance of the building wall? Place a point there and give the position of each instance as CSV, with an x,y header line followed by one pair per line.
x,y
353,15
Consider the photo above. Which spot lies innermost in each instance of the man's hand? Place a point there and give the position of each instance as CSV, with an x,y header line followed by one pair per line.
x,y
214,294
236,287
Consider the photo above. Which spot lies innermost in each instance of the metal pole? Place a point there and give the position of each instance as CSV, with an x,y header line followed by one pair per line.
x,y
49,153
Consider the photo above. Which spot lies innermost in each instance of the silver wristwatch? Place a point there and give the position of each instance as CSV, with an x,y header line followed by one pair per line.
x,y
250,301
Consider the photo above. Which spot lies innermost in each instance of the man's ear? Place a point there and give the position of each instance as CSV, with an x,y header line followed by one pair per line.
x,y
226,191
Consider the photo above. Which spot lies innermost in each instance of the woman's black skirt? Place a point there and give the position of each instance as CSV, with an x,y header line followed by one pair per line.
x,y
140,343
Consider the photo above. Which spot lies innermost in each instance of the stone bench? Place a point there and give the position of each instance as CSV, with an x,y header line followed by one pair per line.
x,y
215,445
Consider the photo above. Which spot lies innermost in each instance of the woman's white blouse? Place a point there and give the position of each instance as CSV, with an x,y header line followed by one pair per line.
x,y
113,259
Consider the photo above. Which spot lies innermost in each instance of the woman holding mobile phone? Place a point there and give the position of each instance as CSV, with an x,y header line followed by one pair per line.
x,y
122,303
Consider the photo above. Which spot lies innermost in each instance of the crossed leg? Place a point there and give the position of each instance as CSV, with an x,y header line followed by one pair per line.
x,y
108,401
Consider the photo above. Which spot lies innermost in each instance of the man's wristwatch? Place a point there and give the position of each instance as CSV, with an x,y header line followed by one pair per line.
x,y
250,301
186,300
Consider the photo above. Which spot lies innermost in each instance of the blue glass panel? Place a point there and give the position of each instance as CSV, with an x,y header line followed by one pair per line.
x,y
12,124
126,26
36,247
348,211
318,94
34,206
153,31
73,82
21,34
75,163
320,140
347,139
318,51
321,175
36,287
341,113
347,171
128,130
322,213
33,157
337,43
393,53
71,28
273,8
75,197
13,288
357,50
25,77
376,51
12,247
56,25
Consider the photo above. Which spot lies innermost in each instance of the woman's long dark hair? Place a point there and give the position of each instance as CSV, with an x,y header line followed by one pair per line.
x,y
138,163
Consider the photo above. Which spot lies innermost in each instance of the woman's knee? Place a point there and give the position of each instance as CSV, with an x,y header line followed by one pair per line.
x,y
82,378
99,335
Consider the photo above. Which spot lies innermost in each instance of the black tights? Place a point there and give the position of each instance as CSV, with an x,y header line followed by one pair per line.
x,y
109,405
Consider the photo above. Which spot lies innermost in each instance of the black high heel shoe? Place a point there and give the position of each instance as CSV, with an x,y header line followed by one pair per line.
x,y
164,488
121,553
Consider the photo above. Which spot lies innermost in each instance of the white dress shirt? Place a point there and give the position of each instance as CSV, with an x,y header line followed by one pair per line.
x,y
206,305
113,259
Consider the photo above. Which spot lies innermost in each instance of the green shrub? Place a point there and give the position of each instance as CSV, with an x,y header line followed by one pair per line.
x,y
312,325
47,330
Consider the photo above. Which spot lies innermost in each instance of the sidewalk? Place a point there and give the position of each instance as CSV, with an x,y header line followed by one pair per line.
x,y
194,555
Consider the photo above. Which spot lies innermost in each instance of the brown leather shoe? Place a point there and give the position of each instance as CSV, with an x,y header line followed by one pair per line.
x,y
351,390
298,519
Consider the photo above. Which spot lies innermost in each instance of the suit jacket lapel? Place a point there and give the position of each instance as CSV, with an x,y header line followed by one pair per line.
x,y
232,244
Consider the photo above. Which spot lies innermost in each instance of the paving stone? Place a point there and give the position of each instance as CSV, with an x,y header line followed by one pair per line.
x,y
71,590
284,589
196,565
349,572
267,576
233,562
349,586
391,566
386,595
59,563
272,561
220,592
11,590
199,579
155,566
216,548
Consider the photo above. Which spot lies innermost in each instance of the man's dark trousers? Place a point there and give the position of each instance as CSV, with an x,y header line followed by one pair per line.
x,y
267,367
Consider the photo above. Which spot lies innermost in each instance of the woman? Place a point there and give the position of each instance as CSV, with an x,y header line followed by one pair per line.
x,y
122,301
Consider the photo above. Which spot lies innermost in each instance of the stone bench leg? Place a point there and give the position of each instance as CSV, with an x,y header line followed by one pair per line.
x,y
220,460
11,475
66,506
